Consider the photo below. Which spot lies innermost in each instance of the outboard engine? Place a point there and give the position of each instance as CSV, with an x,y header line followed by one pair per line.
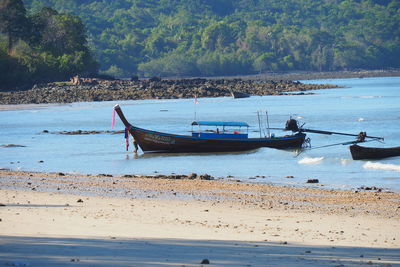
x,y
292,125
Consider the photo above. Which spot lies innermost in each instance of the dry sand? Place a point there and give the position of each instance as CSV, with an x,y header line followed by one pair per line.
x,y
56,219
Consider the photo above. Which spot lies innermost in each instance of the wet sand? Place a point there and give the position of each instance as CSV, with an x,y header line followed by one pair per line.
x,y
144,221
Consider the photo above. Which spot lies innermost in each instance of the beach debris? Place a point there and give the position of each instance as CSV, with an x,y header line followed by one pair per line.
x,y
312,181
45,131
205,261
61,174
40,161
79,200
2,205
74,260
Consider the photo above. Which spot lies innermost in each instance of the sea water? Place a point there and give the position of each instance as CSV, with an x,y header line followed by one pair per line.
x,y
369,104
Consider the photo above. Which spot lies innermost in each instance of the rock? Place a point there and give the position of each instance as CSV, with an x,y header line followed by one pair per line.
x,y
96,89
312,181
61,174
79,201
104,175
369,188
12,145
192,176
205,261
206,177
2,205
290,176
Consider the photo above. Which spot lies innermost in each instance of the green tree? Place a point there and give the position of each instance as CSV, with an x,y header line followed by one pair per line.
x,y
13,21
221,37
218,35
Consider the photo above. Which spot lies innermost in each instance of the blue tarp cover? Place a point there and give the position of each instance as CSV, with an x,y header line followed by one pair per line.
x,y
221,123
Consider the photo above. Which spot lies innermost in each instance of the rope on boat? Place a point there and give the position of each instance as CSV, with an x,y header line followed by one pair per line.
x,y
309,147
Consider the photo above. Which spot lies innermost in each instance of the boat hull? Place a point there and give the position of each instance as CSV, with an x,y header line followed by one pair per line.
x,y
360,152
157,142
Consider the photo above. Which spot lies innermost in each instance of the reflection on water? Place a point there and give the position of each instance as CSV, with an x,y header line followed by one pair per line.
x,y
371,105
206,154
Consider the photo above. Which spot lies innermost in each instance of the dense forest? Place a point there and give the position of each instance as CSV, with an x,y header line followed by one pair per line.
x,y
225,37
229,37
42,46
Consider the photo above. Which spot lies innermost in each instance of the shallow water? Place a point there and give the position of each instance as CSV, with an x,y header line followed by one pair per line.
x,y
371,105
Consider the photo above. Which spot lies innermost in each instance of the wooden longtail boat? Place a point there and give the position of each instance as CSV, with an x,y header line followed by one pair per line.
x,y
360,152
157,142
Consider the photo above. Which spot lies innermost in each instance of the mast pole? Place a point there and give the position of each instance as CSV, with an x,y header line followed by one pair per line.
x,y
195,107
259,122
269,134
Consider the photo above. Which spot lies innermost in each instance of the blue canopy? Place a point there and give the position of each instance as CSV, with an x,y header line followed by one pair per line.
x,y
221,123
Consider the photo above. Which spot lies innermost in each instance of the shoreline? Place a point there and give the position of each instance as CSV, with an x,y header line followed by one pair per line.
x,y
93,89
327,75
375,203
178,217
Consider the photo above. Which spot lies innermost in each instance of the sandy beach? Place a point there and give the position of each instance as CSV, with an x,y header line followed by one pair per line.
x,y
56,219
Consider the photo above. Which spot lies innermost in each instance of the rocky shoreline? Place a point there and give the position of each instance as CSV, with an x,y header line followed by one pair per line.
x,y
270,83
155,88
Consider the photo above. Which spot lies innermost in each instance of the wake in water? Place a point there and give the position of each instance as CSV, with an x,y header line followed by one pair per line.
x,y
381,166
308,160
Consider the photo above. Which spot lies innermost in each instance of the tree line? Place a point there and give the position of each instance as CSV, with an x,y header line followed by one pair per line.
x,y
42,46
226,37
215,37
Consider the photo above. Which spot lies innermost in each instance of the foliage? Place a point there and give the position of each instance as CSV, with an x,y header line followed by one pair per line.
x,y
221,37
53,46
13,21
